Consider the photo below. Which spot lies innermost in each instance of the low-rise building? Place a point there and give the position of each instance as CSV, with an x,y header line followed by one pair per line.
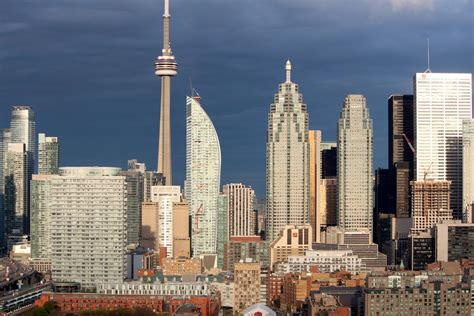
x,y
292,241
181,266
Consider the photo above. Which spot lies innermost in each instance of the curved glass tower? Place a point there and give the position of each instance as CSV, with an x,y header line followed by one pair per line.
x,y
203,173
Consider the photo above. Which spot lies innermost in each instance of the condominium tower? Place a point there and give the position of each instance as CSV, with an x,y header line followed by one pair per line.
x,y
287,159
354,165
442,102
165,67
79,223
468,170
241,215
48,154
203,173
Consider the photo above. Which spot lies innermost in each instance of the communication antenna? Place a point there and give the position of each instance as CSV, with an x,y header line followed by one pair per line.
x,y
428,54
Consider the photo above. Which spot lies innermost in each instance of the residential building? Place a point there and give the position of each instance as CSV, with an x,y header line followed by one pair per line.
x,y
246,285
181,266
293,240
181,239
442,102
149,232
86,210
468,170
242,248
135,187
203,172
240,209
222,227
354,165
48,154
287,160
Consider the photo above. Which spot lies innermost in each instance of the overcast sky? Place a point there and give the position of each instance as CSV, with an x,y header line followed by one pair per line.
x,y
86,66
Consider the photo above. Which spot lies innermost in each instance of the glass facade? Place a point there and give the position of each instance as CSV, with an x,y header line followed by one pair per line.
x,y
203,173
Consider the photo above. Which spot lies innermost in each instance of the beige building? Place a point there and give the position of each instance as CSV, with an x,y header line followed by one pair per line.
x,y
314,140
246,285
181,266
430,204
149,231
181,240
240,201
327,205
292,241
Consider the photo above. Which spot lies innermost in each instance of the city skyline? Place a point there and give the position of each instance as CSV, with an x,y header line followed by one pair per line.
x,y
324,78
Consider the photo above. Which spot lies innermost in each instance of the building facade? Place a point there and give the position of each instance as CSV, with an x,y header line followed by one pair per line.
x,y
354,165
246,285
454,241
240,208
468,170
442,102
222,228
242,248
48,154
203,173
314,141
287,160
293,240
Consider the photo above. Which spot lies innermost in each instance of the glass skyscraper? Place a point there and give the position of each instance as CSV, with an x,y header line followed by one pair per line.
x,y
354,165
203,173
442,102
287,159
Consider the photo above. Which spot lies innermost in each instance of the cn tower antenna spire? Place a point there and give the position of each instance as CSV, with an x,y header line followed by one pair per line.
x,y
165,67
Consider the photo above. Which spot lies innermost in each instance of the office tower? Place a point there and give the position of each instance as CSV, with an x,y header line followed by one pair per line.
x,y
84,211
354,165
454,241
181,239
400,129
327,205
165,67
468,170
240,199
246,285
314,141
287,159
135,187
149,232
166,196
16,190
401,175
442,101
203,173
328,160
292,240
430,204
48,154
384,191
222,227
22,130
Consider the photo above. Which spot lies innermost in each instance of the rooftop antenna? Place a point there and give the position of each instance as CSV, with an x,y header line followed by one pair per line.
x,y
194,93
428,54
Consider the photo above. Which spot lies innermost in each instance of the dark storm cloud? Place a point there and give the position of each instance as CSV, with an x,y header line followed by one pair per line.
x,y
87,68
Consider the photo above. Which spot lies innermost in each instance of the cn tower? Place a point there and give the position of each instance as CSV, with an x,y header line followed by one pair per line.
x,y
165,67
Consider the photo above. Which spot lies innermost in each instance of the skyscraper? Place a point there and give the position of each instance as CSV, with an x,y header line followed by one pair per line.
x,y
222,227
135,187
314,140
165,67
4,141
354,165
240,201
400,129
48,154
442,101
468,170
16,190
81,224
203,173
287,159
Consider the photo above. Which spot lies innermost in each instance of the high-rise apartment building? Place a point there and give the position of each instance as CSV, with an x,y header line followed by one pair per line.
x,y
149,231
354,165
287,159
16,190
468,170
181,239
135,187
82,214
442,102
246,285
48,154
241,219
166,196
222,228
314,141
165,67
203,173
